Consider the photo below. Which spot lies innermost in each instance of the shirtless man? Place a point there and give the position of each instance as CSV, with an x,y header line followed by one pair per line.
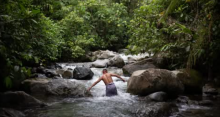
x,y
107,79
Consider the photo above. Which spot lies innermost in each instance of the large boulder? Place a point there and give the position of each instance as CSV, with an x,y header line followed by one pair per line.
x,y
159,109
105,54
55,87
82,73
145,82
116,61
158,96
19,100
100,63
67,74
140,65
7,112
191,79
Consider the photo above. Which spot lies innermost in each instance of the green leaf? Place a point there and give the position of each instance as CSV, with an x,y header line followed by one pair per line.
x,y
8,82
34,12
34,21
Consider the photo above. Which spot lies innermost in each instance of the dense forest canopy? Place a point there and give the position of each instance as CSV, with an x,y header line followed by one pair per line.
x,y
35,32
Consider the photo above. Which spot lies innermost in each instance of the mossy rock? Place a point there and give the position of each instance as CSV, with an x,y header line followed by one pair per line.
x,y
191,79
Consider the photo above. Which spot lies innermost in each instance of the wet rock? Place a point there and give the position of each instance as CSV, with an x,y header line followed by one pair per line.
x,y
116,61
60,71
191,79
209,90
7,112
115,70
186,100
158,96
41,70
55,87
35,75
145,82
57,77
206,103
54,66
100,63
82,73
106,54
160,109
19,100
183,99
67,74
69,69
140,65
50,73
33,70
131,60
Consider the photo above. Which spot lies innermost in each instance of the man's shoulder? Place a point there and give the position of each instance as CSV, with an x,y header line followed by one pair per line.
x,y
109,73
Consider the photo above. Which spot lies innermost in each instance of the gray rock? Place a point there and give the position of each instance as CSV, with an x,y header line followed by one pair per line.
x,y
131,60
40,69
140,65
209,90
60,71
55,87
159,109
82,73
50,73
183,100
100,63
106,54
69,69
186,100
7,112
19,100
100,54
116,61
57,77
145,82
158,96
206,103
67,74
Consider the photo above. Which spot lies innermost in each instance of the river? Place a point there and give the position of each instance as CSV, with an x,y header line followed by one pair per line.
x,y
122,105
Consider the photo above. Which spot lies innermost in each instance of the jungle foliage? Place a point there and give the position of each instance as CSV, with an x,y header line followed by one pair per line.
x,y
35,32
185,31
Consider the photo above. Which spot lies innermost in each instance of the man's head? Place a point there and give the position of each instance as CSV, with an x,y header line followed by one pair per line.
x,y
104,71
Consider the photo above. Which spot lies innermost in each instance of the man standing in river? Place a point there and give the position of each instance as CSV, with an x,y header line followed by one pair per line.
x,y
107,79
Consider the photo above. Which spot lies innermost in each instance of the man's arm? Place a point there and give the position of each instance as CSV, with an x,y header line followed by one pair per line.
x,y
95,83
118,77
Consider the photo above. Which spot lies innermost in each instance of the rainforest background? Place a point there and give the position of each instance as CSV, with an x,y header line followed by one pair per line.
x,y
41,32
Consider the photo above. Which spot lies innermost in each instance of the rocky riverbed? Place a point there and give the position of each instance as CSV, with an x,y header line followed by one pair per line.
x,y
60,91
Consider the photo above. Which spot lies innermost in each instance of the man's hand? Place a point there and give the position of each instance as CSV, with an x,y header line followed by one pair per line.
x,y
88,89
123,80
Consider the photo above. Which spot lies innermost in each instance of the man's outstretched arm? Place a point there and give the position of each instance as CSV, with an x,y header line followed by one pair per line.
x,y
118,76
95,83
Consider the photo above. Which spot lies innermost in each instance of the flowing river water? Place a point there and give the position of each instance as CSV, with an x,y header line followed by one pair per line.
x,y
122,105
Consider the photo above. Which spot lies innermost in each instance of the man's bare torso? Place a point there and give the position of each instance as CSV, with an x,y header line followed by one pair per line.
x,y
107,78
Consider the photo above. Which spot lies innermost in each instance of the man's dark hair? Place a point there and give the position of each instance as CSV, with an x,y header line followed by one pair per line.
x,y
104,70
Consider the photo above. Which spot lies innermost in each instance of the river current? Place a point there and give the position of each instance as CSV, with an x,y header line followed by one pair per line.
x,y
122,105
